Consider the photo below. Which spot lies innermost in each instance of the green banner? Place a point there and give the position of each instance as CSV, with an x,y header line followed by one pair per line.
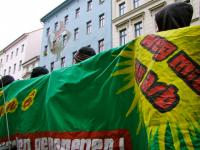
x,y
143,95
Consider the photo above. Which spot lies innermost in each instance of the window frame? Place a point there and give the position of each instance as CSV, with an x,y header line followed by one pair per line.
x,y
136,3
122,36
4,72
20,65
138,27
9,70
22,48
66,19
11,56
76,34
52,66
17,51
89,5
101,20
7,57
101,1
89,27
64,39
101,45
77,12
45,50
62,62
122,7
14,68
56,26
47,31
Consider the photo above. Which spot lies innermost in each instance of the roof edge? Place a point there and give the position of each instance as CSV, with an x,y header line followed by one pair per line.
x,y
55,10
33,58
23,36
15,41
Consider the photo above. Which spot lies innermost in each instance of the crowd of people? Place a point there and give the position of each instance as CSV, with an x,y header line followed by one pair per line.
x,y
81,55
173,16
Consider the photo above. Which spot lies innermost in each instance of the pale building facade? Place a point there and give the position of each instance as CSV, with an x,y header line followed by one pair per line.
x,y
31,59
132,18
16,58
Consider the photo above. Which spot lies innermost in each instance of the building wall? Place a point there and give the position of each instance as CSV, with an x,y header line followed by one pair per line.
x,y
145,13
19,52
33,44
73,23
32,52
1,62
28,66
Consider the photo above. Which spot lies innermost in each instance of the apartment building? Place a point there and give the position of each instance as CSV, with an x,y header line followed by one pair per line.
x,y
132,18
72,25
21,56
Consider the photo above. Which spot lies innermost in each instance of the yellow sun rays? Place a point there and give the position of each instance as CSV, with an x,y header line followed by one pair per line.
x,y
174,119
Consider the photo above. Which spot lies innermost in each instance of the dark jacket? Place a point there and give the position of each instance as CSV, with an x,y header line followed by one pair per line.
x,y
173,16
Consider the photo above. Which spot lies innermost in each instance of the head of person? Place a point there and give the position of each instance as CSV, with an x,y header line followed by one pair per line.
x,y
38,71
174,16
5,80
83,54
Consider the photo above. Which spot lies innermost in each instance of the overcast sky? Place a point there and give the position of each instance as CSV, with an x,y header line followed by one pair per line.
x,y
22,16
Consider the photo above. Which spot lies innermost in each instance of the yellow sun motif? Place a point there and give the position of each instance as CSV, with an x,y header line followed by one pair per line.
x,y
183,120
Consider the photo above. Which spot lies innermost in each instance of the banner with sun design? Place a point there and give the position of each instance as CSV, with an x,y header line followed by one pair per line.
x,y
143,95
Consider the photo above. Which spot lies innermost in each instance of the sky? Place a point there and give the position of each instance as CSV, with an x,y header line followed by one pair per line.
x,y
22,16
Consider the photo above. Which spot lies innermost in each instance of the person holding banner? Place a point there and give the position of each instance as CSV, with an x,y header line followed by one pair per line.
x,y
5,80
83,54
38,71
174,16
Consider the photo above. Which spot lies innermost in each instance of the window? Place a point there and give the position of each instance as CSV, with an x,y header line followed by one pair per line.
x,y
121,9
7,56
56,26
122,36
4,72
54,44
14,68
66,19
73,60
77,12
101,1
22,50
101,20
20,65
138,28
45,50
11,55
136,3
62,62
9,70
101,45
52,66
89,27
47,31
89,5
76,33
64,39
17,50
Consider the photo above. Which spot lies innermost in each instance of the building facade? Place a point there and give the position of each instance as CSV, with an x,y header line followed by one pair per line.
x,y
72,25
18,58
132,18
